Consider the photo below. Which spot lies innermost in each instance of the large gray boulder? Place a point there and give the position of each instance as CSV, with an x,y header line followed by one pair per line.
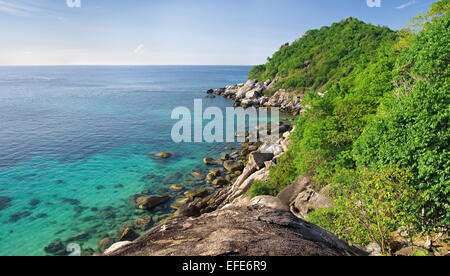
x,y
237,230
258,159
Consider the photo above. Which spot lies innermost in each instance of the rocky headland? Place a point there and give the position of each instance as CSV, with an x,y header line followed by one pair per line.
x,y
256,94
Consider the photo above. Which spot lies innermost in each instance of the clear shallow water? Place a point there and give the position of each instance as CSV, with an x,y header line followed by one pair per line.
x,y
74,140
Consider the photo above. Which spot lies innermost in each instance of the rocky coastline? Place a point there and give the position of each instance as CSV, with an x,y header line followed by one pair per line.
x,y
255,94
228,221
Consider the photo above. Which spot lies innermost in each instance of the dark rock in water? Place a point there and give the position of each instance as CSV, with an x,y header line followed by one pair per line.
x,y
237,230
94,209
210,96
173,177
143,223
87,252
88,218
150,202
220,182
210,91
5,202
108,208
105,244
196,193
79,209
70,201
100,187
41,216
225,157
127,234
18,216
118,186
55,248
212,161
59,182
105,214
78,237
34,202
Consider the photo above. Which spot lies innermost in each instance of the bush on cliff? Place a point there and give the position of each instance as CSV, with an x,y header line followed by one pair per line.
x,y
369,205
280,177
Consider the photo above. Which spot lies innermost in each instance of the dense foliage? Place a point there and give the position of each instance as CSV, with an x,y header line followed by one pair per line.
x,y
413,126
321,57
384,111
369,205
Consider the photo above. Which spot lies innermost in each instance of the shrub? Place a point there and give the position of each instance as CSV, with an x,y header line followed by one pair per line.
x,y
280,177
370,208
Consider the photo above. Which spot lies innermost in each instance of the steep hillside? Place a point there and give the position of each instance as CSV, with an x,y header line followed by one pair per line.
x,y
322,57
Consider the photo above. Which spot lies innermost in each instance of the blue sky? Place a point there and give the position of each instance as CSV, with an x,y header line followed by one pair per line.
x,y
173,32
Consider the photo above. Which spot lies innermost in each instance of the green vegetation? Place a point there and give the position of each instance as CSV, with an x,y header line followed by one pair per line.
x,y
379,136
321,57
369,205
412,127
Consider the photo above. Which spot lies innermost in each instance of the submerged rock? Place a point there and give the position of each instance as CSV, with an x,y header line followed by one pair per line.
x,y
212,161
150,202
78,237
197,175
143,223
105,244
220,182
70,201
18,216
55,248
5,202
34,202
180,203
196,193
127,234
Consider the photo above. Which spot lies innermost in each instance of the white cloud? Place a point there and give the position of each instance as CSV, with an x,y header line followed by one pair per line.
x,y
18,9
410,3
139,50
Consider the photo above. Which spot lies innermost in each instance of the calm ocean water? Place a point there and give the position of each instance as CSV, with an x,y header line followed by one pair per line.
x,y
74,143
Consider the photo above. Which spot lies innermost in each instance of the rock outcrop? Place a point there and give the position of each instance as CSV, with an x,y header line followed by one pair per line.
x,y
251,94
236,230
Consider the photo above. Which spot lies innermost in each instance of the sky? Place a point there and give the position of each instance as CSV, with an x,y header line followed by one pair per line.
x,y
174,32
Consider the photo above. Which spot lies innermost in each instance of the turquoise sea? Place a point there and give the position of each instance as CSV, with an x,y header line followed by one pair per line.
x,y
75,145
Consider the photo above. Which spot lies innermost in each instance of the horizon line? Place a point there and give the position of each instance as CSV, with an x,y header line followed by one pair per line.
x,y
60,65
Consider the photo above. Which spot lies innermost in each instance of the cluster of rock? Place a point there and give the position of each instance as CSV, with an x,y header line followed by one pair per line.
x,y
228,222
252,94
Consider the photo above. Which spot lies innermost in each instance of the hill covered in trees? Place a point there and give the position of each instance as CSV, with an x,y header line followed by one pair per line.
x,y
377,133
